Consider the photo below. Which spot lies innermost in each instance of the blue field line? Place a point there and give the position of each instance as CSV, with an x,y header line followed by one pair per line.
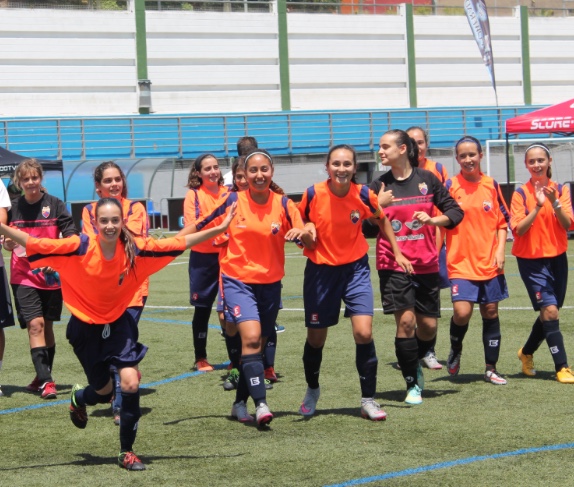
x,y
452,463
187,375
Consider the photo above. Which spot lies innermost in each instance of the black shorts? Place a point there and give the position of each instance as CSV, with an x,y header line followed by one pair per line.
x,y
34,303
6,312
99,346
400,291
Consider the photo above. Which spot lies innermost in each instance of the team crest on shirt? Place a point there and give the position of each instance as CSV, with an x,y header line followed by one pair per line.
x,y
487,205
45,211
355,215
396,226
414,225
423,188
122,275
275,228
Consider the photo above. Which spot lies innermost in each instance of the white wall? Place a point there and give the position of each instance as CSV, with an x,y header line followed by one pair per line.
x,y
65,62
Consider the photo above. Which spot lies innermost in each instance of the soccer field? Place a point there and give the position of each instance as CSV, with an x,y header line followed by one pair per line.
x,y
466,432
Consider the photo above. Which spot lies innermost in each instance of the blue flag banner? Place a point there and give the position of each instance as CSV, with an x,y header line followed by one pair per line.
x,y
477,17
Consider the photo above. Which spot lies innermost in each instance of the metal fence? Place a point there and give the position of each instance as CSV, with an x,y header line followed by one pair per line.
x,y
498,8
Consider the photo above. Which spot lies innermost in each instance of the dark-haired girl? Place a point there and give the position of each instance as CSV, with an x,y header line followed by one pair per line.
x,y
252,266
475,257
411,293
206,188
99,278
338,270
110,182
541,214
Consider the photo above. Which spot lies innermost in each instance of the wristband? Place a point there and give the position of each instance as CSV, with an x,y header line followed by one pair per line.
x,y
556,205
539,206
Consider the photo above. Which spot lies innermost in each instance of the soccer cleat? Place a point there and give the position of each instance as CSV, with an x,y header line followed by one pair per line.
x,y
78,414
130,461
263,415
232,380
116,414
34,386
565,376
431,362
309,403
202,365
270,374
494,377
49,391
239,412
372,410
279,328
453,362
414,396
420,377
527,364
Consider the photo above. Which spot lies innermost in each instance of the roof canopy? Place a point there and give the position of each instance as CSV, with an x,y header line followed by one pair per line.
x,y
9,161
557,119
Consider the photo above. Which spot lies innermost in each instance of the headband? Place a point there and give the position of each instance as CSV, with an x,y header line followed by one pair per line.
x,y
258,153
540,146
469,138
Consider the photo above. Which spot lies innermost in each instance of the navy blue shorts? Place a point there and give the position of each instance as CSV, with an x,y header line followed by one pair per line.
x,y
545,279
252,302
6,311
33,303
482,292
401,291
136,311
203,278
325,286
99,346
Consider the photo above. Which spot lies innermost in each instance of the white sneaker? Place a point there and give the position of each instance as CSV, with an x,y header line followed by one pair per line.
x,y
239,411
309,403
263,415
495,378
414,396
372,410
1,393
431,362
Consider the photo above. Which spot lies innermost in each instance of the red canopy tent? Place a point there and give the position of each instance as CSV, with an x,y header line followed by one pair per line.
x,y
556,119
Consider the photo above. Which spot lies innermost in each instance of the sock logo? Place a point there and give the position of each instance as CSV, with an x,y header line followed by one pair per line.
x,y
493,343
106,332
254,381
202,335
554,350
409,379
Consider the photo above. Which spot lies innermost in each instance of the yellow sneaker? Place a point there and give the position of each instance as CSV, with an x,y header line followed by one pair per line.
x,y
527,364
565,376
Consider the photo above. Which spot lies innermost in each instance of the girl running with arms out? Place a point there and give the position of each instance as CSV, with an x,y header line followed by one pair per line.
x,y
99,279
